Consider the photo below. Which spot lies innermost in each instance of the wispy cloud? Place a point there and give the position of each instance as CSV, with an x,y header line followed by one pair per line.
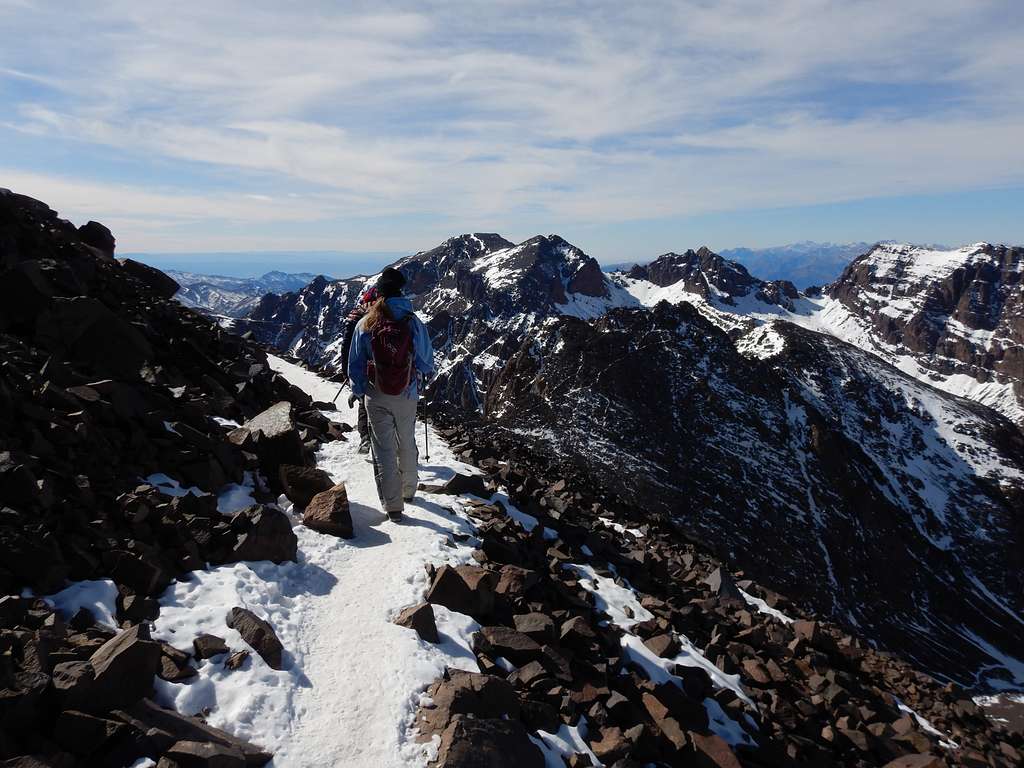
x,y
524,113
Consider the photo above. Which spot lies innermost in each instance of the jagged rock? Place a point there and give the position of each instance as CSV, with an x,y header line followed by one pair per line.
x,y
538,626
466,693
258,634
723,585
205,754
98,237
611,746
420,618
84,734
208,646
667,724
917,761
236,660
273,437
328,512
147,717
124,669
465,589
515,581
266,535
459,484
665,645
301,484
174,665
487,743
73,682
161,284
508,643
142,573
711,751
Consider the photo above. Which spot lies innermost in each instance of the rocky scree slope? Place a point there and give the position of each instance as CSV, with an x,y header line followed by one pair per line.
x,y
479,295
887,505
116,408
233,296
604,629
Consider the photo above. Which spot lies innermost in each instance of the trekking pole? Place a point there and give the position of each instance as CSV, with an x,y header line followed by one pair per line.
x,y
426,438
335,400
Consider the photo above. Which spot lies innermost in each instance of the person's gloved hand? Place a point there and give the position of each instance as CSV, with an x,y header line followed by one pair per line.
x,y
352,400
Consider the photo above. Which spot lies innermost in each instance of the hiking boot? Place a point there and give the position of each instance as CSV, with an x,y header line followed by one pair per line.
x,y
364,447
395,517
407,499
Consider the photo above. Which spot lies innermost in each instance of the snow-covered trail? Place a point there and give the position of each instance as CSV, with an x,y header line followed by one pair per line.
x,y
349,694
366,673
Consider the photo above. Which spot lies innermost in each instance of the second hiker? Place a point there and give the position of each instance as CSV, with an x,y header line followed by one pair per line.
x,y
390,353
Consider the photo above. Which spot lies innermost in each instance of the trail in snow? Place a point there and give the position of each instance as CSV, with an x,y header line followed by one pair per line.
x,y
353,679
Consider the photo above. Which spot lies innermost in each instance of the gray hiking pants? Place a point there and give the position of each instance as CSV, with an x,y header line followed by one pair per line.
x,y
393,442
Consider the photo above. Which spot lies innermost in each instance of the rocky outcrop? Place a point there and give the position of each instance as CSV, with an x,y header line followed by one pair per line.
x,y
954,313
105,382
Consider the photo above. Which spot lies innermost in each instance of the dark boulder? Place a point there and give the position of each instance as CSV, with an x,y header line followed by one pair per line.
x,y
208,646
487,743
301,484
147,716
466,693
328,512
162,285
124,667
421,619
465,589
265,534
205,754
259,635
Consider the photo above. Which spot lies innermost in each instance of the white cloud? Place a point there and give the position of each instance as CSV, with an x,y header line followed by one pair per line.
x,y
526,113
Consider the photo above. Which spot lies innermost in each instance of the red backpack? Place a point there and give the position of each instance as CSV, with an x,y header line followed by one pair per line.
x,y
391,367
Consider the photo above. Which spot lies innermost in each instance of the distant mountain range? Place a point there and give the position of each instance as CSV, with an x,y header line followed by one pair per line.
x,y
759,418
804,264
233,296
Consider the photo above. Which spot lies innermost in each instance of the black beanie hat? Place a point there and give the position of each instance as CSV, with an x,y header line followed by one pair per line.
x,y
390,282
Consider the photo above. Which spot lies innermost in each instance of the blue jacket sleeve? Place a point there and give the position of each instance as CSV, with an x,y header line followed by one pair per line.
x,y
424,350
357,360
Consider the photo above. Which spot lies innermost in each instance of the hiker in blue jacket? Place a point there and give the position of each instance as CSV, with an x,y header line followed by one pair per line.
x,y
391,355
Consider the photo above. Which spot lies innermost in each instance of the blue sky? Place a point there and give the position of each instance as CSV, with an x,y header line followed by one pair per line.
x,y
630,129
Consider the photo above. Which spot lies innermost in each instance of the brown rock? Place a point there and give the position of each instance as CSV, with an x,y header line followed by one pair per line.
x,y
82,733
711,751
208,646
668,725
466,693
664,645
487,743
149,718
539,626
73,681
917,761
420,618
509,644
466,589
266,535
124,667
258,634
205,754
236,659
301,484
328,512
